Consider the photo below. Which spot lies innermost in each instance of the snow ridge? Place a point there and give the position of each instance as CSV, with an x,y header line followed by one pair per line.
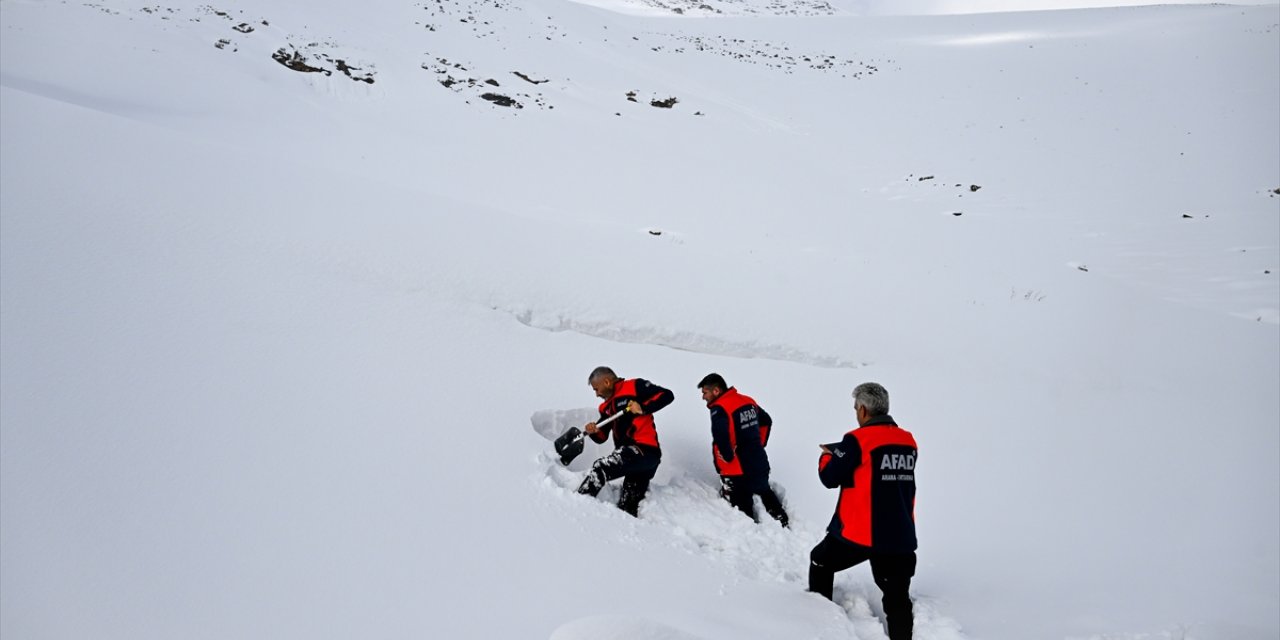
x,y
682,340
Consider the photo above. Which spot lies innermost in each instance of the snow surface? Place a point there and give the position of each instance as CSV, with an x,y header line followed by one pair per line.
x,y
281,353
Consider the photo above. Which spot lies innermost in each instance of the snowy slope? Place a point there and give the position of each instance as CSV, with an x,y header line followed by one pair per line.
x,y
280,350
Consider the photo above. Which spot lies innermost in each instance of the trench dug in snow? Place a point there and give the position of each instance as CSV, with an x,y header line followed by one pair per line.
x,y
680,339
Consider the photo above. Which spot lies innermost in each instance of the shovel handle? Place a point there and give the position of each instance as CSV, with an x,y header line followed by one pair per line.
x,y
611,418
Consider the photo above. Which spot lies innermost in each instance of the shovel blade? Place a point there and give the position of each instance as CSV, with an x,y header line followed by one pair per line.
x,y
569,445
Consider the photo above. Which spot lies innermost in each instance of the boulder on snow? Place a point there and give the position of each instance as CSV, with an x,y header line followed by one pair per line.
x,y
501,100
296,61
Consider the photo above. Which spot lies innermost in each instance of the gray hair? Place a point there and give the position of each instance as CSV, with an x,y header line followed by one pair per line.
x,y
601,372
872,396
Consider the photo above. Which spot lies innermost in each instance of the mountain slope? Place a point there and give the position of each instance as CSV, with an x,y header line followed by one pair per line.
x,y
281,349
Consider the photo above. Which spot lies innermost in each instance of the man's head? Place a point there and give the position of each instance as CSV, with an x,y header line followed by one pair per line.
x,y
712,386
602,380
870,400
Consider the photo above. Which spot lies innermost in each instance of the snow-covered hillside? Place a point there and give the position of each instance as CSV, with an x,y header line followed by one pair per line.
x,y
294,295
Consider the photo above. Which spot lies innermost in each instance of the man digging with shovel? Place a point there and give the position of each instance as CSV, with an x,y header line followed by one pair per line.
x,y
627,412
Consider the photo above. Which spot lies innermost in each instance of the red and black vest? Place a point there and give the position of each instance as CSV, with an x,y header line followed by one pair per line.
x,y
874,467
745,420
634,429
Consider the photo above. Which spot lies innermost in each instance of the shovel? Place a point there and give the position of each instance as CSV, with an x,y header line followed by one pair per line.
x,y
570,443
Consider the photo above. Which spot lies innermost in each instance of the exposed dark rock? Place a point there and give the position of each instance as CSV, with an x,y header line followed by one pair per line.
x,y
296,61
528,79
501,100
974,187
348,70
243,27
664,104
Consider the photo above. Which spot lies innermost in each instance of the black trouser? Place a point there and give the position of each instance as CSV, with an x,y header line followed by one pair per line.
x,y
635,465
741,490
892,573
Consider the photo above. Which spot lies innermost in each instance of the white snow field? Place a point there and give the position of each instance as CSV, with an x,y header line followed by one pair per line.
x,y
290,311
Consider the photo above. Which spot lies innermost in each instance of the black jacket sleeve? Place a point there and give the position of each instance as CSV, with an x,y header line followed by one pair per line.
x,y
720,433
838,471
652,397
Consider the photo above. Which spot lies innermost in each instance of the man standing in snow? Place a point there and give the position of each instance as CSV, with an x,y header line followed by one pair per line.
x,y
739,434
636,453
874,468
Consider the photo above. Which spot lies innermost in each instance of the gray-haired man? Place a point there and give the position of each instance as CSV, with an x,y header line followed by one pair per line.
x,y
874,468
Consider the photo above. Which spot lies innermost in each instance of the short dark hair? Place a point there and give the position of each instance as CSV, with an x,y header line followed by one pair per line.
x,y
601,372
715,381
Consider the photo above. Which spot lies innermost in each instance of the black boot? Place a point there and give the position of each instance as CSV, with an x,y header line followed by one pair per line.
x,y
773,506
633,491
593,483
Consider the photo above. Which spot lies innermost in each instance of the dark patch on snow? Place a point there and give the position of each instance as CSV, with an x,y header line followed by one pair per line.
x,y
349,71
501,100
477,87
776,8
779,56
296,61
528,79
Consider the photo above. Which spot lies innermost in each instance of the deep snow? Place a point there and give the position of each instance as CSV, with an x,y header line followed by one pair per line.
x,y
281,352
